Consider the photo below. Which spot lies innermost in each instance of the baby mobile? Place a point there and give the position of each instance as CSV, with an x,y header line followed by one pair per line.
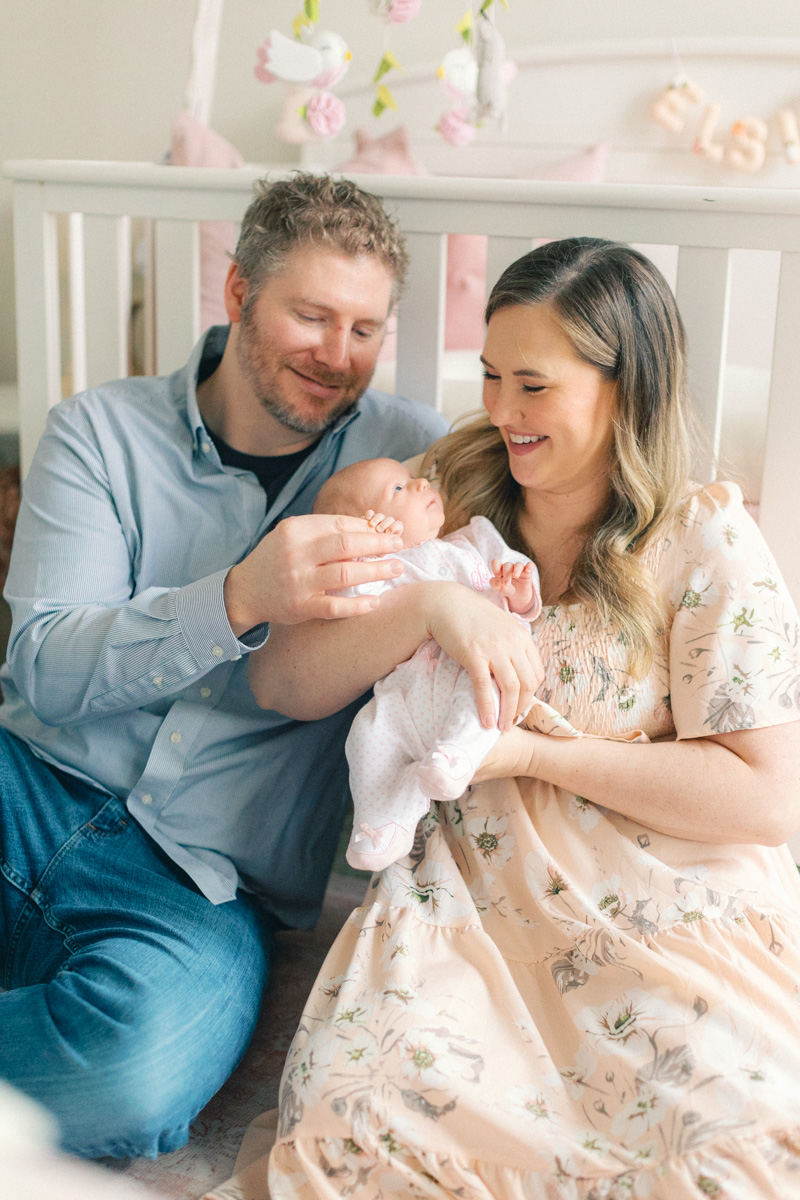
x,y
475,77
314,61
746,148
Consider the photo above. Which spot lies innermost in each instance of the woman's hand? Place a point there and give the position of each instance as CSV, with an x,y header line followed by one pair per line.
x,y
491,646
514,754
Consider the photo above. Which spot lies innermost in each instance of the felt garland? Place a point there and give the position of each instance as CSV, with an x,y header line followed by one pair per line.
x,y
393,12
310,64
746,146
314,62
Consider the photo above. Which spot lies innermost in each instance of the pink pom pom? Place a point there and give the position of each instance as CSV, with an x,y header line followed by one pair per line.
x,y
260,70
455,127
402,10
325,114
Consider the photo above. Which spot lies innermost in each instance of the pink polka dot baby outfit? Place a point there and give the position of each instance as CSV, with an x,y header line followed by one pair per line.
x,y
420,737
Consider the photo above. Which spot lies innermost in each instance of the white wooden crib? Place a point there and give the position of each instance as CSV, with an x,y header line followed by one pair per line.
x,y
102,199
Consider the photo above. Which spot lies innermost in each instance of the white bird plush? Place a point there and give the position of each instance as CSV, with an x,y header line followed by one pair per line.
x,y
459,73
321,61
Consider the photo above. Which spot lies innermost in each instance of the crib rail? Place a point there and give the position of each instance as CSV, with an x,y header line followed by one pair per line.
x,y
101,198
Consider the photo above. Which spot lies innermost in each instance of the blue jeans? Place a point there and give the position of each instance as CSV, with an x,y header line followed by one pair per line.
x,y
130,997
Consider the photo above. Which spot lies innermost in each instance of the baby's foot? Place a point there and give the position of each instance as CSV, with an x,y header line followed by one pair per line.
x,y
373,849
445,773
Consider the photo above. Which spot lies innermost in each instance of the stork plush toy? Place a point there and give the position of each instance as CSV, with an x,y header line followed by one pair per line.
x,y
309,68
495,72
476,78
320,61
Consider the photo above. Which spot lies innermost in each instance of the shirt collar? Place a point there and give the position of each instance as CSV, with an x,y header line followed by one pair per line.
x,y
207,356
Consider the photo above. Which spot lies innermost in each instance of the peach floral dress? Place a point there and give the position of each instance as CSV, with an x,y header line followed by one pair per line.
x,y
547,999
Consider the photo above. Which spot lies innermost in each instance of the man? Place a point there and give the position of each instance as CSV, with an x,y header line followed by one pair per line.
x,y
155,823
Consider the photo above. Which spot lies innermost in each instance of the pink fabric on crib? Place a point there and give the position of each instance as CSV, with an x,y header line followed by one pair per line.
x,y
391,154
466,253
193,144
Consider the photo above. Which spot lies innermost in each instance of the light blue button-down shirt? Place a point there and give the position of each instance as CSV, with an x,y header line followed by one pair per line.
x,y
122,666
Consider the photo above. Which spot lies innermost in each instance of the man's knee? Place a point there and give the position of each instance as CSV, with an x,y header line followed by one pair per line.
x,y
133,1060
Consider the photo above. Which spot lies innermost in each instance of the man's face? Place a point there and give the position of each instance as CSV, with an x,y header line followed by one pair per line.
x,y
308,343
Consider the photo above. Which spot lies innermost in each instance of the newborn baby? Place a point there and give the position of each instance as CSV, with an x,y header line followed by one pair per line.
x,y
420,737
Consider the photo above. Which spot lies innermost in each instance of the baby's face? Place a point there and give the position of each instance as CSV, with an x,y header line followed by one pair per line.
x,y
392,490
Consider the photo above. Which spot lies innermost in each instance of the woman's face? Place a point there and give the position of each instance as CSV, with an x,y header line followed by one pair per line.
x,y
554,410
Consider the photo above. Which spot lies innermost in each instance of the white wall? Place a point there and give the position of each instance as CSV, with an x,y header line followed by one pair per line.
x,y
104,78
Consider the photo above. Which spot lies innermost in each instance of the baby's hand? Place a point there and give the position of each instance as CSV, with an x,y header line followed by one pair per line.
x,y
515,582
381,524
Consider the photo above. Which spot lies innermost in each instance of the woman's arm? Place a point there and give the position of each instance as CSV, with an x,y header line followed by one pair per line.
x,y
310,670
741,787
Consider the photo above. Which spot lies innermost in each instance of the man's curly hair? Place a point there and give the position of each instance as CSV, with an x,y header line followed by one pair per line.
x,y
316,210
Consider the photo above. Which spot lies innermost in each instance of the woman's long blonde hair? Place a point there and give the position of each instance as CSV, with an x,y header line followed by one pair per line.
x,y
621,317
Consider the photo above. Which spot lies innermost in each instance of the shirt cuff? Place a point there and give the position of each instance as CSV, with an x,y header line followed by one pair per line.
x,y
200,612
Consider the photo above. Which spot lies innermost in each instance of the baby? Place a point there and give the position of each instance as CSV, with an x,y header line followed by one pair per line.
x,y
420,737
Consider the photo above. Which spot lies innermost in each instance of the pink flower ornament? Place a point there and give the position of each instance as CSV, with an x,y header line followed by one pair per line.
x,y
325,114
396,11
455,127
402,10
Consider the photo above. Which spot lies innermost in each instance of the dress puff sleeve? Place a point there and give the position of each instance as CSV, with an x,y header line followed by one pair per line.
x,y
734,649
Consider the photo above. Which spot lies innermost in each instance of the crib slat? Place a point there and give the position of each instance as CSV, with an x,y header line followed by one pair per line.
x,y
100,298
177,289
502,252
38,337
77,302
420,321
703,294
779,515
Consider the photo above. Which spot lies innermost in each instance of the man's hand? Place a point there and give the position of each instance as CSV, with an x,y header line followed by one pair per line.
x,y
491,646
381,523
288,577
515,582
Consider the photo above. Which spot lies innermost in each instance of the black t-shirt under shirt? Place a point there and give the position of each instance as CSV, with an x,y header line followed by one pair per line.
x,y
271,470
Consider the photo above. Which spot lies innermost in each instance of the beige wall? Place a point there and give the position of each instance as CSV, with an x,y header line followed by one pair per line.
x,y
103,78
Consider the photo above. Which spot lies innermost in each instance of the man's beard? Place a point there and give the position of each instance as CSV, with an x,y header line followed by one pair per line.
x,y
262,370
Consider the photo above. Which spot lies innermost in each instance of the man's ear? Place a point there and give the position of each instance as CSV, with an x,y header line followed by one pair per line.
x,y
235,293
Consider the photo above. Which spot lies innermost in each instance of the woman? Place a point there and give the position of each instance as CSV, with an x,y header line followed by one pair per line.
x,y
583,982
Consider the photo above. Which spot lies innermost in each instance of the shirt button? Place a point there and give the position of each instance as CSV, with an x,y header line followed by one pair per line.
x,y
205,447
158,680
175,736
147,798
236,658
205,693
217,651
